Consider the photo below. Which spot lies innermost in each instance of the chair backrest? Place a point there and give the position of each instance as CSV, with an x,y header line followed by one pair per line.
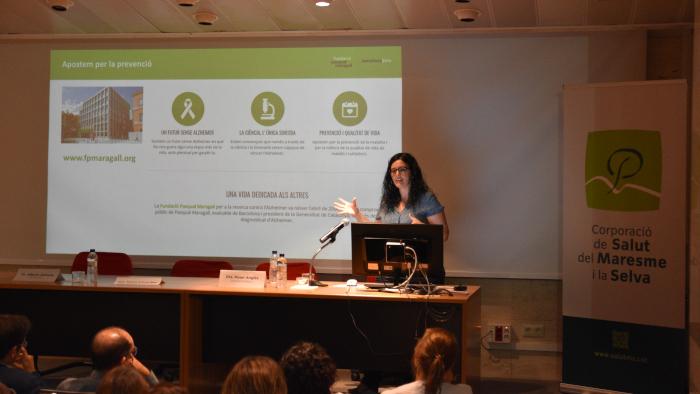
x,y
199,268
108,263
264,267
294,269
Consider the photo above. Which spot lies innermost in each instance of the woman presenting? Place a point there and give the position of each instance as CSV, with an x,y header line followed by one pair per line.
x,y
406,197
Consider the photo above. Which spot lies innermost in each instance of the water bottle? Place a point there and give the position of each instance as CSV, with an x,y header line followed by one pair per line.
x,y
273,269
91,275
282,271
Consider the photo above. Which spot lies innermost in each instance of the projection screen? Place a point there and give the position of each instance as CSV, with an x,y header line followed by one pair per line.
x,y
216,152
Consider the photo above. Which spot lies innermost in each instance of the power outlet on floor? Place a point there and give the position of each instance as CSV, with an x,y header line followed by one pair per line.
x,y
533,330
500,333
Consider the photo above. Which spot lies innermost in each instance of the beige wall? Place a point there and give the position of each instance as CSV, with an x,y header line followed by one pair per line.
x,y
520,302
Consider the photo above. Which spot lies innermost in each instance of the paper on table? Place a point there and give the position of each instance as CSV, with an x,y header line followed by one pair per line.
x,y
303,287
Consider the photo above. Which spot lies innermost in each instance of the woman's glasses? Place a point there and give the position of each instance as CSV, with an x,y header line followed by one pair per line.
x,y
400,170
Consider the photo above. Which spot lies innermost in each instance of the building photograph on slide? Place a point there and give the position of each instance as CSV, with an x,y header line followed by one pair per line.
x,y
102,114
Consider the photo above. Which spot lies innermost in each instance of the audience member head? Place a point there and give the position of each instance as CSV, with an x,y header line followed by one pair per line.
x,y
13,336
111,346
308,369
123,380
434,358
255,375
168,388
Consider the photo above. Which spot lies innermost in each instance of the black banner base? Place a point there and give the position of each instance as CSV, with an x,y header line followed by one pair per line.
x,y
624,357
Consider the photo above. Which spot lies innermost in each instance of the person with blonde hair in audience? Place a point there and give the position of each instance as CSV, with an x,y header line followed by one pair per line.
x,y
124,379
433,365
255,375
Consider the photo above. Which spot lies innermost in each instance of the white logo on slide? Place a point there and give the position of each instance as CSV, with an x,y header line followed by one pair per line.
x,y
268,110
349,109
188,109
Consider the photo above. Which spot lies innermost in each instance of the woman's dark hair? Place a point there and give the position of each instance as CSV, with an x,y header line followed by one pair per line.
x,y
433,356
390,193
123,380
13,332
308,368
255,375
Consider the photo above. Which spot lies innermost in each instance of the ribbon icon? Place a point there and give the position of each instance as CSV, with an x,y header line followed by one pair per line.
x,y
188,109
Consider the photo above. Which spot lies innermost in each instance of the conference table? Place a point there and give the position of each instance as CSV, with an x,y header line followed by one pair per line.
x,y
204,328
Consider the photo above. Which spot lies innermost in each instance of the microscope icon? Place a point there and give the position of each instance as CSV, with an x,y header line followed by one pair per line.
x,y
268,110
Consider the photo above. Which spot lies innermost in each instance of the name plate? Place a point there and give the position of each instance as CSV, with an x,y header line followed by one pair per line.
x,y
237,278
42,275
138,280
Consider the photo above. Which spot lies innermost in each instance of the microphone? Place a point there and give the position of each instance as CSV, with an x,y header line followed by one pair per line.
x,y
334,231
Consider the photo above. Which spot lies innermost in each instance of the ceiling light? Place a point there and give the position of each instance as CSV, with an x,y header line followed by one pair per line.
x,y
205,18
323,3
467,14
187,3
60,5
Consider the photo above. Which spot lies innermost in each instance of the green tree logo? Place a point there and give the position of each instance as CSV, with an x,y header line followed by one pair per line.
x,y
267,108
349,108
623,170
188,109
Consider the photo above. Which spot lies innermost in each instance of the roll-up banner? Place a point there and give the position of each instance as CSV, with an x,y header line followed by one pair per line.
x,y
624,237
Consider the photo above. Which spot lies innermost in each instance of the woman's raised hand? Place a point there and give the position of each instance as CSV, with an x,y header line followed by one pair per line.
x,y
344,208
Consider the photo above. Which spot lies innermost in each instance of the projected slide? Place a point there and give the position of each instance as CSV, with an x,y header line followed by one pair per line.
x,y
216,152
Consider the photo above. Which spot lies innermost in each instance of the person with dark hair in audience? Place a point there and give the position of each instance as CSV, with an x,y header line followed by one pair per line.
x,y
111,347
255,375
124,379
433,365
16,365
308,368
168,388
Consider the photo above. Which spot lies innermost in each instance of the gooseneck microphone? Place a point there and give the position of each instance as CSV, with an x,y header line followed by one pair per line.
x,y
334,231
327,239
